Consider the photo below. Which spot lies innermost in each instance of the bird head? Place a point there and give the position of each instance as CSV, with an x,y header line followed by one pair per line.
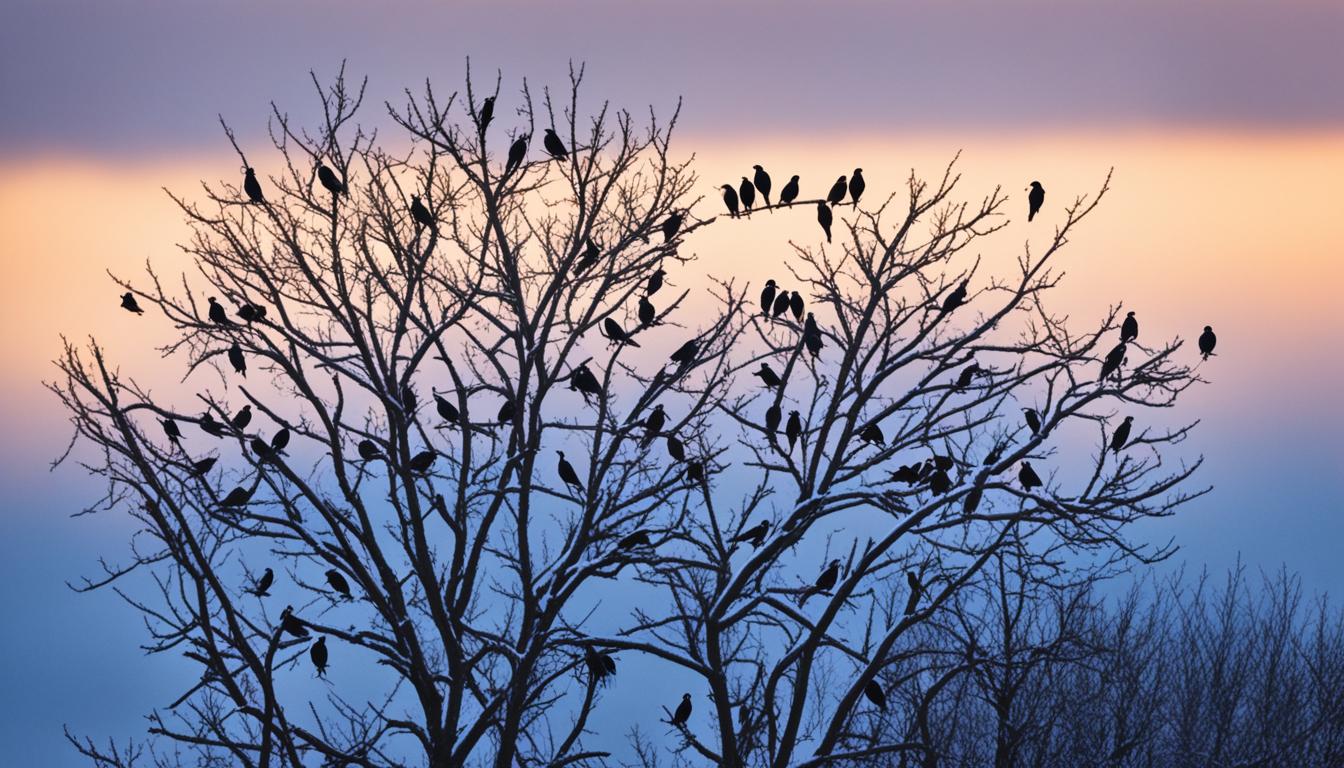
x,y
562,454
1026,465
248,171
550,132
1035,185
685,697
793,178
835,563
1128,419
770,282
415,198
858,171
727,187
793,413
757,168
1129,314
1208,329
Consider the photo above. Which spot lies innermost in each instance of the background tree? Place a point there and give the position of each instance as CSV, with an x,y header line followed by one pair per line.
x,y
396,344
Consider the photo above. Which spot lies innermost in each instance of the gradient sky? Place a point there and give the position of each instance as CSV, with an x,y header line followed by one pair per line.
x,y
1224,123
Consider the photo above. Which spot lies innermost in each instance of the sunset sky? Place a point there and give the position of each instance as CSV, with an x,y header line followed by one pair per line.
x,y
1223,121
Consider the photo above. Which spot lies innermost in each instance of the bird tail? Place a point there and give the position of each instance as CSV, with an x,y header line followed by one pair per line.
x,y
1031,215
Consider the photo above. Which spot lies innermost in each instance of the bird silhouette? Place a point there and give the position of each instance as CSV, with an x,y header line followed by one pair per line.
x,y
730,199
129,304
251,312
647,312
768,376
447,411
369,450
671,226
171,429
1121,435
773,415
653,425
754,535
907,473
972,501
635,540
825,582
781,304
506,412
1033,420
217,314
291,624
747,194
655,282
873,692
616,333
939,481
252,187
600,664
568,475
812,340
262,450
824,218
1028,477
554,146
421,462
675,449
1114,359
487,112
331,182
955,299
1035,200
856,186
916,591
236,359
590,256
796,306
872,434
338,583
280,440
1207,341
1129,330
695,472
762,181
203,466
967,376
837,193
585,383
318,653
262,587
793,429
767,297
517,153
790,192
239,420
420,213
683,712
238,497
685,354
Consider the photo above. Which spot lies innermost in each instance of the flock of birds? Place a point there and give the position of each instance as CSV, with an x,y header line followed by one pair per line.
x,y
776,304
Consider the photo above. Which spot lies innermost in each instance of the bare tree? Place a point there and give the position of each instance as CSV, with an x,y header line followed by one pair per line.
x,y
406,338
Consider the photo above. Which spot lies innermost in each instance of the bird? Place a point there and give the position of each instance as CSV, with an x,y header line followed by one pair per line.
x,y
967,376
683,712
945,463
368,450
1028,477
873,692
648,314
796,306
506,412
252,187
762,181
171,429
675,449
837,193
768,376
695,471
1207,341
585,383
939,482
685,354
754,535
907,473
956,298
1121,435
129,304
600,664
781,304
262,587
916,591
568,475
1129,330
280,440
203,466
291,624
591,254
517,153
238,497
794,428
331,182
217,314
671,226
1114,359
1035,200
872,434
420,213
408,399
239,420
767,297
261,449
972,501
824,218
487,112
421,462
237,360
318,653
636,539
856,186
554,145
616,333
447,411
790,192
824,582
812,340
338,583
773,415
251,312
1033,420
730,199
653,425
747,194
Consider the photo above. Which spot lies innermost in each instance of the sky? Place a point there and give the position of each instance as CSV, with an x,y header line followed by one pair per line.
x,y
1224,123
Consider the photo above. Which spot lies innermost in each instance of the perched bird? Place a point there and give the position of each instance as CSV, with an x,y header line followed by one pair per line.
x,y
945,463
129,304
747,194
261,449
252,187
872,434
768,376
420,213
369,450
994,455
671,226
939,481
280,440
554,146
767,297
600,664
1207,341
647,313
730,199
331,182
837,193
1121,435
685,354
203,466
856,186
590,256
773,415
1028,477
967,376
916,591
616,333
242,418
908,474
956,298
263,586
447,411
338,583
653,425
655,282
1114,359
794,428
487,112
695,472
972,501
171,429
1033,420
824,218
635,540
238,497
796,306
421,462
824,582
318,653
585,383
790,192
1129,330
237,360
781,304
675,449
755,535
762,181
812,340
873,692
1035,200
683,712
810,326
568,475
517,153
217,314
408,399
251,312
291,624
506,412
